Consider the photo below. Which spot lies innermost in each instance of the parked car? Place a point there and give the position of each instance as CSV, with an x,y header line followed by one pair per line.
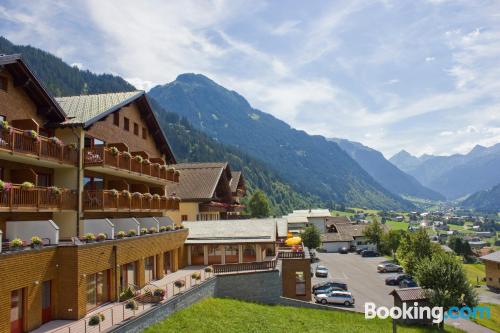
x,y
360,249
326,290
407,283
396,279
344,250
336,297
328,284
321,271
369,253
389,267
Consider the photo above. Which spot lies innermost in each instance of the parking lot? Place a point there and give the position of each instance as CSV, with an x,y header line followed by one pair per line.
x,y
361,277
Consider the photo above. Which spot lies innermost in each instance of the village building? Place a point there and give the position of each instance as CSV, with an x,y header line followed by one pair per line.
x,y
208,192
342,233
412,297
492,269
298,220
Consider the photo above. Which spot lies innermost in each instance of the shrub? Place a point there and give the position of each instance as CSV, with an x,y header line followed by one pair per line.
x,y
27,185
126,194
148,196
138,158
94,320
156,196
168,228
137,195
159,292
179,283
196,276
32,135
56,141
126,294
132,233
4,126
35,240
208,269
120,234
101,236
144,231
114,193
163,228
5,186
54,190
152,230
16,243
114,151
127,154
132,305
89,236
146,161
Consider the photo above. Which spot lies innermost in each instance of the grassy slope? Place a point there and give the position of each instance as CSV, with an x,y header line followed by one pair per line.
x,y
224,315
394,225
473,271
494,322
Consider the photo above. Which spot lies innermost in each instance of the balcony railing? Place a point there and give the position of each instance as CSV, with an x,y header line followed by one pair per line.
x,y
17,141
37,198
104,156
246,266
113,200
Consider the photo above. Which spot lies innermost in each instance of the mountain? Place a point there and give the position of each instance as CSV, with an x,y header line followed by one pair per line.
x,y
61,79
309,163
386,173
405,161
189,145
457,175
485,201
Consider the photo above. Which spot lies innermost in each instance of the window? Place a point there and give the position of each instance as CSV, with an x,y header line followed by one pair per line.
x,y
91,142
93,183
136,129
300,284
231,254
126,124
149,269
4,82
144,133
116,119
97,289
44,179
127,276
16,311
184,218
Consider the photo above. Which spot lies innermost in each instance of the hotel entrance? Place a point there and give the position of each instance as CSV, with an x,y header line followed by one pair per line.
x,y
16,311
167,263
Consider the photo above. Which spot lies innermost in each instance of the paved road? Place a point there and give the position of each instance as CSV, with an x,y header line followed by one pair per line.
x,y
367,285
361,277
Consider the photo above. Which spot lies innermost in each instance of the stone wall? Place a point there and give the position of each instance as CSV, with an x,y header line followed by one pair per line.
x,y
159,313
261,287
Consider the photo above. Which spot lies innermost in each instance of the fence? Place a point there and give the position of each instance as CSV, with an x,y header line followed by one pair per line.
x,y
246,266
119,312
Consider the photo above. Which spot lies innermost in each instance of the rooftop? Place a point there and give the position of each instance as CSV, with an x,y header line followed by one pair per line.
x,y
495,256
311,213
409,294
232,231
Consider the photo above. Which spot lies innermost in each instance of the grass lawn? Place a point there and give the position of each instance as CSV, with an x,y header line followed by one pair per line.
x,y
473,271
225,315
494,322
394,225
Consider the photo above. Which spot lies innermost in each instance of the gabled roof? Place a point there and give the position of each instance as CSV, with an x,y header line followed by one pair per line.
x,y
231,231
495,257
85,110
35,89
198,181
409,294
335,237
235,179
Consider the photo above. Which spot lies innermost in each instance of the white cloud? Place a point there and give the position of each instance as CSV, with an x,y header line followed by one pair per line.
x,y
78,65
429,59
285,28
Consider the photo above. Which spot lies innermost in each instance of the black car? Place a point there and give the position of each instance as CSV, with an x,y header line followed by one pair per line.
x,y
396,279
344,250
407,283
369,253
329,284
359,250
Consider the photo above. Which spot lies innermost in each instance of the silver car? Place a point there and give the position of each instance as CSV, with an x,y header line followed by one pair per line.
x,y
321,271
336,297
389,267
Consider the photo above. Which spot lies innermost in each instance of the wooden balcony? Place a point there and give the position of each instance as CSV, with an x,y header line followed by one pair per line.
x,y
105,160
17,199
18,143
110,200
244,267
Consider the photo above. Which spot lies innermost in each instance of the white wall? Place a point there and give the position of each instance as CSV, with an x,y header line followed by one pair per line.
x,y
97,226
148,222
335,246
27,229
319,222
126,224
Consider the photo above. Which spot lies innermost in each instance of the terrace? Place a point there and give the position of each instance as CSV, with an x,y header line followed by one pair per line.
x,y
23,198
135,165
25,235
26,145
124,201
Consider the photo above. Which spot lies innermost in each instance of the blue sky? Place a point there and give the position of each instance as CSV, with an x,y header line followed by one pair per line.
x,y
417,75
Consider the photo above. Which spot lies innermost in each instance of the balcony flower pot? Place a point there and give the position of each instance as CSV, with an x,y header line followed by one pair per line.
x,y
156,196
36,242
5,186
114,193
126,294
5,127
132,305
54,191
148,196
33,135
208,269
146,161
101,237
163,228
144,231
168,228
132,233
159,294
96,319
138,158
196,276
179,284
121,234
72,146
56,141
16,244
137,195
152,230
89,237
126,194
126,154
114,151
27,186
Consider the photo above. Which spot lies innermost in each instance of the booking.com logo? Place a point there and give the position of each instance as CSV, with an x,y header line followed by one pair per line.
x,y
436,314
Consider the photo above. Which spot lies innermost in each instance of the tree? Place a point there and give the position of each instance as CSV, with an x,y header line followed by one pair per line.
x,y
445,281
414,247
311,237
374,232
259,205
391,240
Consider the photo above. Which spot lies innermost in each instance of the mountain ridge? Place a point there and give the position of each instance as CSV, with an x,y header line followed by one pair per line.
x,y
302,160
